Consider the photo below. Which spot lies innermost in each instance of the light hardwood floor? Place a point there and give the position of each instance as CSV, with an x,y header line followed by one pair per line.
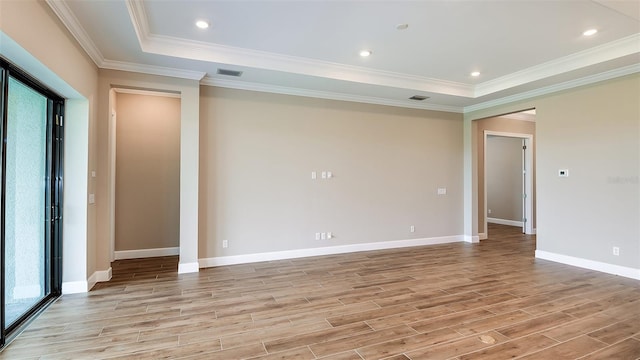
x,y
491,300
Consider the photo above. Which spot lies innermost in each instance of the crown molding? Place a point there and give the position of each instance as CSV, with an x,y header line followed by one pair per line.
x,y
138,16
208,52
153,70
242,85
70,21
622,47
607,75
121,90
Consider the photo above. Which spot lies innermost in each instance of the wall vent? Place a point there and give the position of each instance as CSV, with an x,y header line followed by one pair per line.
x,y
228,72
418,97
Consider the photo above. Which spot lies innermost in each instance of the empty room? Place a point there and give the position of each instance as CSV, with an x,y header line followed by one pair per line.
x,y
320,179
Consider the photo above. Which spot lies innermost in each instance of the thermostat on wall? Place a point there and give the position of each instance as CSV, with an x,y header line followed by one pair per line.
x,y
563,173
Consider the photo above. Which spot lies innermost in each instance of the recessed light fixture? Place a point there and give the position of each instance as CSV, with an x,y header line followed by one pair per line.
x,y
590,32
202,24
365,53
475,73
402,26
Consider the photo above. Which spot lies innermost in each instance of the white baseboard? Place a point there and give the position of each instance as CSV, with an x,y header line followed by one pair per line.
x,y
329,250
504,222
483,236
590,264
76,287
192,267
471,239
146,253
534,231
99,276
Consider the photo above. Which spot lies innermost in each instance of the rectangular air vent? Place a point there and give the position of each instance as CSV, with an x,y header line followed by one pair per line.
x,y
229,72
418,97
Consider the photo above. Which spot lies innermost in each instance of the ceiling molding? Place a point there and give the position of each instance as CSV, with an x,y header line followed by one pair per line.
x,y
242,85
153,70
146,92
203,51
138,16
609,51
607,75
70,21
520,116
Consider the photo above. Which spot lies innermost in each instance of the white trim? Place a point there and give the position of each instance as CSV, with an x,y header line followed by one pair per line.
x,y
99,276
74,287
70,21
504,222
152,70
77,287
473,239
591,79
534,231
184,268
405,103
612,50
628,272
146,253
146,92
329,250
483,236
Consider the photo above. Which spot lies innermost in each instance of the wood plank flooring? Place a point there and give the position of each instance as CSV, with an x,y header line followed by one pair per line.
x,y
491,300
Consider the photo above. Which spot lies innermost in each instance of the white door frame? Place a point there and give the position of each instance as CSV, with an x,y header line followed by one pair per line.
x,y
528,158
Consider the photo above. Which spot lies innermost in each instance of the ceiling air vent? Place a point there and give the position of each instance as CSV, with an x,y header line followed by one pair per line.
x,y
229,72
418,97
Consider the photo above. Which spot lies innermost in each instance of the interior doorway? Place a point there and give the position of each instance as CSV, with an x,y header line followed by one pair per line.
x,y
508,180
515,131
145,171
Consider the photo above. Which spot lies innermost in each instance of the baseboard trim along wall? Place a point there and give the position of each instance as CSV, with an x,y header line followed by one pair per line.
x,y
184,268
471,239
504,222
145,253
75,287
590,264
329,250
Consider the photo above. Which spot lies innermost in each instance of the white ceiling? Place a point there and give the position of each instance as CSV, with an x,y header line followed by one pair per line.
x,y
311,48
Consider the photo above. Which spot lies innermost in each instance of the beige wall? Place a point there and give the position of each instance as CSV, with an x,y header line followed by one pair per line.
x,y
507,125
258,151
53,56
594,132
504,178
147,212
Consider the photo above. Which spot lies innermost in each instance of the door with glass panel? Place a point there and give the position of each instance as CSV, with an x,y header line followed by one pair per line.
x,y
31,194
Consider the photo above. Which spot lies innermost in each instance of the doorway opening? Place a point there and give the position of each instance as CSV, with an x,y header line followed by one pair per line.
x,y
145,173
506,172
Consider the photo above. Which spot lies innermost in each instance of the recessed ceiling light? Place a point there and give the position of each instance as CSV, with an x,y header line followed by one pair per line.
x,y
475,74
365,53
202,24
402,26
590,32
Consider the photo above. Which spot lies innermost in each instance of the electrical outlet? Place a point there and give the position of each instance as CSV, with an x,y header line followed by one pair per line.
x,y
317,236
225,243
412,228
489,211
616,251
329,235
323,236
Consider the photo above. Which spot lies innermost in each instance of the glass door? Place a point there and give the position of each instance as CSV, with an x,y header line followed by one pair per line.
x,y
31,190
